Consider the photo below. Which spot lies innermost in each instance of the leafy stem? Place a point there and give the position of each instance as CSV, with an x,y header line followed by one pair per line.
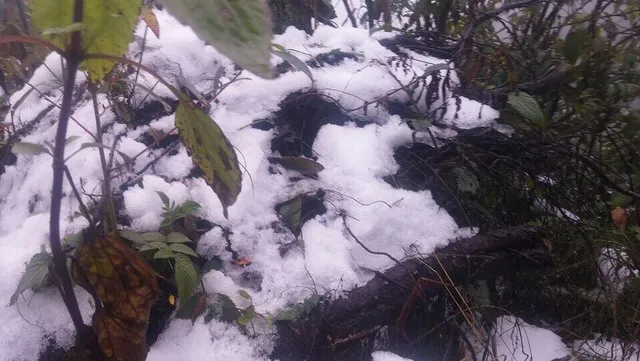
x,y
73,57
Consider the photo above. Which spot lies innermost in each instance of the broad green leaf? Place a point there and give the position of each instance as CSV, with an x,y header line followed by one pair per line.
x,y
134,237
190,207
147,248
182,248
177,237
527,107
246,315
36,275
213,264
294,61
574,44
108,28
301,165
73,240
26,148
164,253
244,294
186,278
154,237
165,199
291,213
240,29
157,244
211,151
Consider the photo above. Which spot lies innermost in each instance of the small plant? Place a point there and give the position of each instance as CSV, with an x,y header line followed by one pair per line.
x,y
171,247
172,213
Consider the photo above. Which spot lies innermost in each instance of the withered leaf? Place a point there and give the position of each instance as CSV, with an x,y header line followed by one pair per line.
x,y
125,288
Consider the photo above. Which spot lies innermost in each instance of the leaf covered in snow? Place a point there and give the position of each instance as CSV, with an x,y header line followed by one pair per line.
x,y
36,275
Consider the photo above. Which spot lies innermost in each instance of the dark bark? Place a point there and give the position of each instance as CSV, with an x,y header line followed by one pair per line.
x,y
342,323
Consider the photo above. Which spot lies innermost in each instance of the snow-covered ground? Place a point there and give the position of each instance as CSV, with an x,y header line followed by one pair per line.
x,y
395,221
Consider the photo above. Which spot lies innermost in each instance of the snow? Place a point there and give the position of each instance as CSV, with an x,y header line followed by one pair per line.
x,y
517,340
398,222
602,349
387,356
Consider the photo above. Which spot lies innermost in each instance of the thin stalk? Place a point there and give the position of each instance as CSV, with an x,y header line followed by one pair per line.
x,y
135,80
74,57
354,23
110,224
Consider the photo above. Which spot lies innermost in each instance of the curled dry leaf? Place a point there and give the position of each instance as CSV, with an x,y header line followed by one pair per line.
x,y
242,261
149,17
619,217
125,287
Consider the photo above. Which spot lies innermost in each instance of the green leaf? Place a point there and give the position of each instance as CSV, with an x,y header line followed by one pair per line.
x,y
244,294
146,248
109,27
176,237
190,207
291,213
36,275
246,315
294,61
164,198
157,244
186,278
213,264
26,148
240,30
301,165
211,151
527,107
134,237
154,237
182,248
574,44
164,253
194,307
73,240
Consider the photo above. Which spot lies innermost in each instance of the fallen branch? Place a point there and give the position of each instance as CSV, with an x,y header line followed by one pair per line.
x,y
341,322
